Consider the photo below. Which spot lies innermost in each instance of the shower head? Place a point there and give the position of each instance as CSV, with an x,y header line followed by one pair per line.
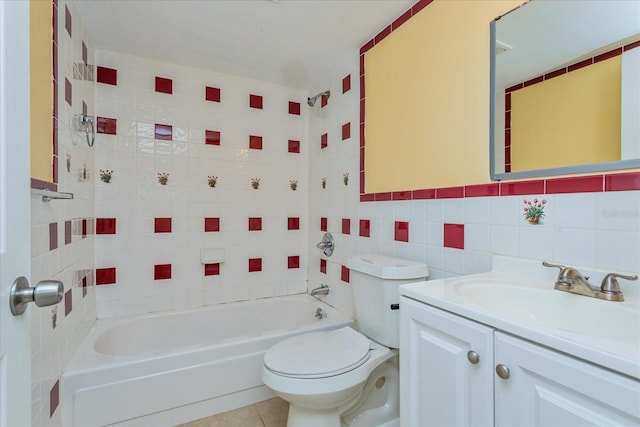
x,y
312,100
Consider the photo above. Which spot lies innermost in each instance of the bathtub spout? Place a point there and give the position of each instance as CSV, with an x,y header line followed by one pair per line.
x,y
322,290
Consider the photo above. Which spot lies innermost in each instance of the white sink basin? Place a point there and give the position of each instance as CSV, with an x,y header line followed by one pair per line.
x,y
553,309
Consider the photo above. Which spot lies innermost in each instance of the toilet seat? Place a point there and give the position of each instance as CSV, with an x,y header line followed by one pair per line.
x,y
318,354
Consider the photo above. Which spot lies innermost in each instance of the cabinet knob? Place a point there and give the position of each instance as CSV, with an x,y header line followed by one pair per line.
x,y
502,371
473,357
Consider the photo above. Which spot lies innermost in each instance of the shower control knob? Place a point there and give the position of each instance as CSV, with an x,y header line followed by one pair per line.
x,y
473,357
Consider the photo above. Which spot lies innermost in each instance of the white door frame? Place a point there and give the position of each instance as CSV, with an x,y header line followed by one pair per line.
x,y
15,211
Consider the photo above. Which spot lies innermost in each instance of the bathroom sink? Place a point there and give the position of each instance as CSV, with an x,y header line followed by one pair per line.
x,y
559,312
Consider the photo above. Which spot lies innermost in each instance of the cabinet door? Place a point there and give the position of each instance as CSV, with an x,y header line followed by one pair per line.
x,y
547,388
439,386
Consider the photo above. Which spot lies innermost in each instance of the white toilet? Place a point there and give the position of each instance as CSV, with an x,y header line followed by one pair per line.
x,y
344,377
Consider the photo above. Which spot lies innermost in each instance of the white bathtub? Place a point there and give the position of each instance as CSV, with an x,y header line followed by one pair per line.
x,y
173,367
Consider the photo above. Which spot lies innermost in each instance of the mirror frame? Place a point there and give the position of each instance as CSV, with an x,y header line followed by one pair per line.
x,y
566,170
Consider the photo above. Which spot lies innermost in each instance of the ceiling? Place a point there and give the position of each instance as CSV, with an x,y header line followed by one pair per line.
x,y
296,43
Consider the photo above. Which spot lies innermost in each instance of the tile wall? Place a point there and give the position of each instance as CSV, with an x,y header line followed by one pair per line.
x,y
62,230
197,160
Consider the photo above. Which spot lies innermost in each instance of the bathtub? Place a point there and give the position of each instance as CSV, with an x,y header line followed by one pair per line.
x,y
173,367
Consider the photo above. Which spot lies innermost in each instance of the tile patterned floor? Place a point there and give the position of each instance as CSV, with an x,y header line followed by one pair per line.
x,y
269,413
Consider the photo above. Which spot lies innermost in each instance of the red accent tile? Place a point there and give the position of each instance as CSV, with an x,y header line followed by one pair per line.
x,y
555,73
579,184
255,142
255,224
362,117
631,45
107,225
294,108
346,226
454,236
212,94
211,224
164,85
164,132
84,286
533,81
54,398
401,232
107,75
362,158
255,264
67,20
161,271
67,232
362,182
323,224
293,261
365,228
580,64
382,34
294,146
323,266
426,193
622,181
346,131
212,137
401,20
68,303
162,225
324,100
367,197
607,55
449,192
382,197
401,195
255,101
106,125
85,54
105,276
346,83
482,190
324,140
67,92
212,269
53,236
419,6
507,101
85,229
344,274
521,188
293,223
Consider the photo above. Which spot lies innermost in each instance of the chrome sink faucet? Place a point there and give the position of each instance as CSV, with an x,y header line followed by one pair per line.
x,y
570,280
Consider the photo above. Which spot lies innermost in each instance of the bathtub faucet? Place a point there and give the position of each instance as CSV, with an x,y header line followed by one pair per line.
x,y
322,290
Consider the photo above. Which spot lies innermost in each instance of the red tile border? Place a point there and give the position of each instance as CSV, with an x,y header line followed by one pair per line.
x,y
105,276
162,225
482,190
164,85
631,46
106,125
401,231
255,142
401,20
104,226
401,195
454,236
294,108
293,146
107,75
212,94
163,132
583,184
212,269
211,225
254,264
344,274
381,197
293,261
450,192
519,188
622,181
293,223
255,224
212,137
162,271
427,193
365,228
255,101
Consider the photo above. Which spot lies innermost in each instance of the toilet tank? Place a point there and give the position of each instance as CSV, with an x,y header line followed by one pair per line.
x,y
374,281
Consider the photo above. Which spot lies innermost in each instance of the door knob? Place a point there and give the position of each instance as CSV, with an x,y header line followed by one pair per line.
x,y
45,293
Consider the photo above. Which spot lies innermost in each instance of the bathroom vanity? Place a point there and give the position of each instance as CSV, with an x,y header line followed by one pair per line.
x,y
500,349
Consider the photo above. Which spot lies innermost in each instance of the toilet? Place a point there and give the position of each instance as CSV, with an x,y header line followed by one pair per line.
x,y
345,377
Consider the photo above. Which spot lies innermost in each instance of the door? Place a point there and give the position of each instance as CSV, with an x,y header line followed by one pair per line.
x,y
547,388
446,367
15,215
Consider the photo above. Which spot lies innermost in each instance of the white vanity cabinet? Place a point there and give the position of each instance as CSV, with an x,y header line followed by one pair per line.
x,y
441,385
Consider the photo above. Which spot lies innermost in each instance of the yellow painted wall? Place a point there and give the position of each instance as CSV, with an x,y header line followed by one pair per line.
x,y
427,99
580,111
41,90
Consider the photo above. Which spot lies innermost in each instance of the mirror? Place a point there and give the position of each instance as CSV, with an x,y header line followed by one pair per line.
x,y
565,88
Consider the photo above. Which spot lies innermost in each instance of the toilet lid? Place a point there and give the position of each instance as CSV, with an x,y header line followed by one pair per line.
x,y
318,354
